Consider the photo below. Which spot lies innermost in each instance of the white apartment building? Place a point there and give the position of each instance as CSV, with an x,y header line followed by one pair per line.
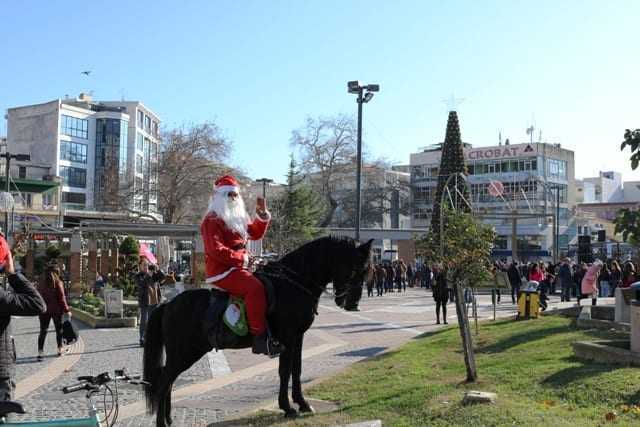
x,y
530,173
105,152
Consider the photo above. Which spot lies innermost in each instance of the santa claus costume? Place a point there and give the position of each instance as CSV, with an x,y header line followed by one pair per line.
x,y
226,229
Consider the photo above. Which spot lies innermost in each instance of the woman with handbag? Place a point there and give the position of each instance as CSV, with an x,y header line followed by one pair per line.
x,y
52,290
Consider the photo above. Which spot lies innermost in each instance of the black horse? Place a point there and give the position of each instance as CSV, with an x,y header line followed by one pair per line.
x,y
178,327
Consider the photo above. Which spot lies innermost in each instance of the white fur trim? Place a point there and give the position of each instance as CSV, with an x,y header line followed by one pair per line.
x,y
264,220
228,189
220,276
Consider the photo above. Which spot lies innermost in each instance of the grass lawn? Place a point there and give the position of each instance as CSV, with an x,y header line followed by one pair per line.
x,y
530,364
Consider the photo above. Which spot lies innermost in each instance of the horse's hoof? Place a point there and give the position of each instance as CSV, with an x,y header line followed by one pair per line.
x,y
306,408
290,413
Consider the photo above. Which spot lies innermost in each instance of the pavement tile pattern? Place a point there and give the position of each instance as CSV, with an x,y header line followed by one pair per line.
x,y
382,324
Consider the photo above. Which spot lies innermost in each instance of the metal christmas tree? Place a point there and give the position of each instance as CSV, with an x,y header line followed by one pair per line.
x,y
450,183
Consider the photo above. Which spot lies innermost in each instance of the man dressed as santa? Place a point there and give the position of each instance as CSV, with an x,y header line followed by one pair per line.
x,y
226,229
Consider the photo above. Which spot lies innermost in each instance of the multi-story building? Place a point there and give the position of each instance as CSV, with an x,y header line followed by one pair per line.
x,y
607,187
529,176
105,152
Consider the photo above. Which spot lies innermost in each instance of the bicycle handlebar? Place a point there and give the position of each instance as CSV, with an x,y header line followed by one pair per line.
x,y
93,383
78,387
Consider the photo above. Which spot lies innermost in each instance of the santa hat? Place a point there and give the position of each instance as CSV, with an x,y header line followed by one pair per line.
x,y
227,184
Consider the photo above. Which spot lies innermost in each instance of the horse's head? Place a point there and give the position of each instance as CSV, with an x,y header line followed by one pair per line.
x,y
353,268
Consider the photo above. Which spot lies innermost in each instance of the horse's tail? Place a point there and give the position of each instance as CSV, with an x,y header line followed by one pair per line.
x,y
153,348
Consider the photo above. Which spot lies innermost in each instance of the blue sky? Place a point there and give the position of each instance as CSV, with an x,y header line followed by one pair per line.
x,y
258,68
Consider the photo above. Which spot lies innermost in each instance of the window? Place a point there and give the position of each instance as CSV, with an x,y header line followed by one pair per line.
x,y
139,142
557,168
73,151
76,198
48,200
74,126
73,177
140,119
154,129
147,123
22,172
138,163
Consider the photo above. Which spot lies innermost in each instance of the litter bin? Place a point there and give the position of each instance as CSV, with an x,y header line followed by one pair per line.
x,y
529,301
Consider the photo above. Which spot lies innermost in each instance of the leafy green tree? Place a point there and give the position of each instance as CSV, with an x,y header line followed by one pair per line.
x,y
628,222
632,139
464,251
451,164
295,214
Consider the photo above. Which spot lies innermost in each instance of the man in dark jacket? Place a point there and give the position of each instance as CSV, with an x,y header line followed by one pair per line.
x,y
566,280
20,299
514,280
149,295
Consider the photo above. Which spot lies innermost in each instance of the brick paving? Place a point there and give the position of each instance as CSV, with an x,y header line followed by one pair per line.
x,y
238,381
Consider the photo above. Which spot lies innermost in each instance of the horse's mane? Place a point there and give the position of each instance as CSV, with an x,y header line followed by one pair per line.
x,y
313,247
318,250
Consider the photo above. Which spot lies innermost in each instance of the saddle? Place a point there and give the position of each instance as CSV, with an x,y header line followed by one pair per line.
x,y
220,335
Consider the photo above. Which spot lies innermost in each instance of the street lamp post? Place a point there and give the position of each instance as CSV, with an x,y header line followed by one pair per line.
x,y
264,182
8,156
365,93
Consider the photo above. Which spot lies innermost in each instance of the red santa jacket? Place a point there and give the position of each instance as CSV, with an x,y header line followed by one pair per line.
x,y
224,248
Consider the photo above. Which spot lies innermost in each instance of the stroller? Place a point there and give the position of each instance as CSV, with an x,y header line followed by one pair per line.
x,y
542,289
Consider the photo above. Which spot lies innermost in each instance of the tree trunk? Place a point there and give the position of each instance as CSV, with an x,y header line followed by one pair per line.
x,y
465,334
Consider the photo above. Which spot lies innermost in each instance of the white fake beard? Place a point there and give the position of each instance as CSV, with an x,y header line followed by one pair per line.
x,y
232,212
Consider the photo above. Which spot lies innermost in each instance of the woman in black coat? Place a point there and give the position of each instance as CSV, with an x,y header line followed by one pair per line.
x,y
440,293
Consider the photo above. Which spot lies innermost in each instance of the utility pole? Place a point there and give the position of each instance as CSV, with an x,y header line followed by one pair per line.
x,y
8,156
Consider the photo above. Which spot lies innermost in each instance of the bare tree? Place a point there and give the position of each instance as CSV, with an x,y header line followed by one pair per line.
x,y
327,148
191,158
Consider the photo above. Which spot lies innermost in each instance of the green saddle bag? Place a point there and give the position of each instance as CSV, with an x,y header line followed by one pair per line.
x,y
235,316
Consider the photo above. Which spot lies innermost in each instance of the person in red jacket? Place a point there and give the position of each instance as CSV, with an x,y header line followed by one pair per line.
x,y
52,290
226,229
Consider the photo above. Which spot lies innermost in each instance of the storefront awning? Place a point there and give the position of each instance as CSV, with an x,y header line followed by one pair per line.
x,y
28,185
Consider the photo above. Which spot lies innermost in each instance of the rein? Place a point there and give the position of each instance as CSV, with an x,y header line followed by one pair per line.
x,y
277,270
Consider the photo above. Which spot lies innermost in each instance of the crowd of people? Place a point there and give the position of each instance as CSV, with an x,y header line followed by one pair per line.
x,y
391,277
571,279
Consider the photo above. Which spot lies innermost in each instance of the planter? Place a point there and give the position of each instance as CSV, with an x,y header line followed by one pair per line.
x,y
101,322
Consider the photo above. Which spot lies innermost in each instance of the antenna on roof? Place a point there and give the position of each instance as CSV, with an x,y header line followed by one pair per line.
x,y
499,137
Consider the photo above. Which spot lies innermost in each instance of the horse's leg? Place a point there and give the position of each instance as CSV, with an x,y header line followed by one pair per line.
x,y
163,417
285,372
296,371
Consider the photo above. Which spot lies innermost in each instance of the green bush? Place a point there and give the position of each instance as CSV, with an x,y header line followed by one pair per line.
x,y
52,252
127,285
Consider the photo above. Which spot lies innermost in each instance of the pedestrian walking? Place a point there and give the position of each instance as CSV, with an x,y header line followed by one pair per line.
x,y
628,274
590,282
615,277
51,288
440,292
380,278
149,295
605,275
577,279
565,275
514,280
389,279
21,299
410,275
369,283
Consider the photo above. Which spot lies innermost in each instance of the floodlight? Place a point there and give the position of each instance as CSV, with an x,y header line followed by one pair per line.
x,y
368,96
354,86
373,88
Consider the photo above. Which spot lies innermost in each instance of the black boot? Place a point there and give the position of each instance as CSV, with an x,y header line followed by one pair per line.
x,y
262,344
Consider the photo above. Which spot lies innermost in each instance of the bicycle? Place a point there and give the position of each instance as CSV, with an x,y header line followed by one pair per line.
x,y
93,386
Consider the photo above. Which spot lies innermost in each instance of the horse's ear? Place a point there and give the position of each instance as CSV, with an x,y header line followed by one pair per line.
x,y
365,248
